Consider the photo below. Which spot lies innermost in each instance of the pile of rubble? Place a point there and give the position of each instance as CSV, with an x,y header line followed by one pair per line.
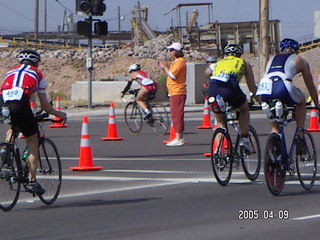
x,y
153,49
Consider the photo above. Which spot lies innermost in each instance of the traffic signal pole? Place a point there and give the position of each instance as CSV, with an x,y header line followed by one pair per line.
x,y
90,64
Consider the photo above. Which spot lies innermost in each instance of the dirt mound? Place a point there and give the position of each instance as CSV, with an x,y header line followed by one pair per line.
x,y
62,73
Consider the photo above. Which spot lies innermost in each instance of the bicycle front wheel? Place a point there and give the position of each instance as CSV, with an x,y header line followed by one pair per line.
x,y
251,162
160,116
9,179
221,156
307,163
49,173
133,118
275,173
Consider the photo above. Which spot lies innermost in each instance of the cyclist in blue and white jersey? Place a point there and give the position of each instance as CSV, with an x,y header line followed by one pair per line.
x,y
277,82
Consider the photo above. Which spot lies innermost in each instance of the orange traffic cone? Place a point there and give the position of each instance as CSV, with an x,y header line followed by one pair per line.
x,y
313,122
172,134
225,146
112,132
85,159
59,124
206,123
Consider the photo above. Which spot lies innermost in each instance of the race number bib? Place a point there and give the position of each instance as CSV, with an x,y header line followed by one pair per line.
x,y
264,87
12,94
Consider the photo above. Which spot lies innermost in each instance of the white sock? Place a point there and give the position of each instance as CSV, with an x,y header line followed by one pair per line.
x,y
146,111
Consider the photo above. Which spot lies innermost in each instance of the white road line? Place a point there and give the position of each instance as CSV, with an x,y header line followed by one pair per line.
x,y
148,171
78,194
306,217
180,180
139,159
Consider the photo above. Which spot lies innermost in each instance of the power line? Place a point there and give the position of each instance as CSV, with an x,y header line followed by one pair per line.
x,y
16,12
64,6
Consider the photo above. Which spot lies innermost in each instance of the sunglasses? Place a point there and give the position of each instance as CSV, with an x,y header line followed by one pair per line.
x,y
171,49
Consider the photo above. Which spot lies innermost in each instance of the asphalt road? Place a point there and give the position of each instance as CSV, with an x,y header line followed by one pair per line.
x,y
149,191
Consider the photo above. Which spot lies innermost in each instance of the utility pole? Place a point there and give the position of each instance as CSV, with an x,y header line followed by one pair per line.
x,y
36,20
264,35
45,15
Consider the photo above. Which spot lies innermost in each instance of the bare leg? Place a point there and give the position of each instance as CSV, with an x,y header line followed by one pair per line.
x,y
141,98
244,118
33,155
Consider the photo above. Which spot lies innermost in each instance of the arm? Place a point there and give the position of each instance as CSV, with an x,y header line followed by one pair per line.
x,y
127,87
250,81
207,72
48,107
304,68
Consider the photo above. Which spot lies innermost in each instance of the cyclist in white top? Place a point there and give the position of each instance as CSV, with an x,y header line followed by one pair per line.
x,y
277,82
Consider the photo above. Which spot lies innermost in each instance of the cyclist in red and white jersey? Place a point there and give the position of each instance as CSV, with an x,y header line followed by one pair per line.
x,y
20,83
148,88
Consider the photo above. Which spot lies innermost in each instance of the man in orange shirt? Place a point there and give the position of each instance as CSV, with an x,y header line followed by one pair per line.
x,y
177,88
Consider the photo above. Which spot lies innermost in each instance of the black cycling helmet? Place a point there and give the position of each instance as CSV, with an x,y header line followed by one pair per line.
x,y
233,49
29,55
134,67
289,43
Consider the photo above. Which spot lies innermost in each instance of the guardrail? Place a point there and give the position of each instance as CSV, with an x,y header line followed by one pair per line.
x,y
6,42
309,45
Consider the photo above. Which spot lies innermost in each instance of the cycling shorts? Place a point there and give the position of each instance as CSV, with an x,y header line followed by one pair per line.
x,y
152,88
285,91
22,116
230,91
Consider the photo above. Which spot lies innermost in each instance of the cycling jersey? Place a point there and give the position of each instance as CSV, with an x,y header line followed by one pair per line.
x,y
225,81
228,68
26,77
145,81
277,81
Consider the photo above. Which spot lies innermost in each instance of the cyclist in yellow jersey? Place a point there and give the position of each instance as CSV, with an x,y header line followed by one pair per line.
x,y
224,83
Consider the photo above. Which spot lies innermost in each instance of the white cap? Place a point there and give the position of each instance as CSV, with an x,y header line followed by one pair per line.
x,y
176,46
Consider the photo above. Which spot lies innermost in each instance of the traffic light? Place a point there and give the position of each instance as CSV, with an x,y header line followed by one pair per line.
x,y
91,7
101,28
84,28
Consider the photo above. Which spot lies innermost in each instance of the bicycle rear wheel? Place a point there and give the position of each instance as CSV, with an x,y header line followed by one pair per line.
x,y
221,156
307,163
251,162
9,184
133,118
160,115
274,172
49,173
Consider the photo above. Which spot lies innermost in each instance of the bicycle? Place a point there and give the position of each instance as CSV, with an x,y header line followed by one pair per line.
x,y
14,168
225,155
278,161
134,117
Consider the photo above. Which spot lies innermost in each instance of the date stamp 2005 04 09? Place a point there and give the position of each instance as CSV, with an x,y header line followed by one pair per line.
x,y
256,214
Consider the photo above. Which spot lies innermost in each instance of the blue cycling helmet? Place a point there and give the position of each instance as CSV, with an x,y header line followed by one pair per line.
x,y
289,43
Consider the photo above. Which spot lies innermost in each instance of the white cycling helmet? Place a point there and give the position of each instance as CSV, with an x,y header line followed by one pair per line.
x,y
29,55
134,67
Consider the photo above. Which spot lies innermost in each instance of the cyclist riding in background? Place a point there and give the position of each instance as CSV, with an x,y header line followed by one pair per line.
x,y
211,62
224,81
148,88
277,82
20,83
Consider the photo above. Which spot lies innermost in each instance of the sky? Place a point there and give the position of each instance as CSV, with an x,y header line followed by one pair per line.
x,y
296,16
